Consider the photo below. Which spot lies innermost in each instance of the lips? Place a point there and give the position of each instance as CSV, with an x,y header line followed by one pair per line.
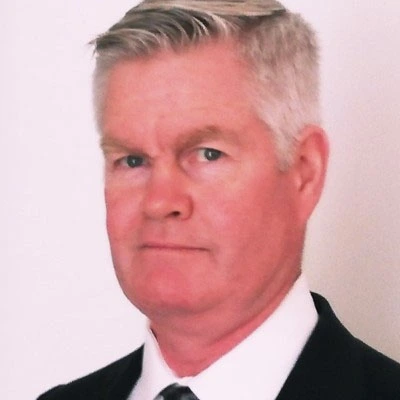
x,y
166,246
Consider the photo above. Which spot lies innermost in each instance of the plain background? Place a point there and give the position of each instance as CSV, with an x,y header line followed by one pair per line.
x,y
62,312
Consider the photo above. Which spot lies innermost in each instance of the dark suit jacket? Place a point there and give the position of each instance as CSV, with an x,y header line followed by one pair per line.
x,y
333,366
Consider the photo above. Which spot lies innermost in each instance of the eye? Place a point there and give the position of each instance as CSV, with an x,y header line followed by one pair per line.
x,y
133,161
210,154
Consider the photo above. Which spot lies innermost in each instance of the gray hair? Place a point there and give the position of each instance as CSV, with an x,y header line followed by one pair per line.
x,y
279,47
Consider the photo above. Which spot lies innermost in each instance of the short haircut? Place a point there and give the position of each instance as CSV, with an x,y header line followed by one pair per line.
x,y
279,47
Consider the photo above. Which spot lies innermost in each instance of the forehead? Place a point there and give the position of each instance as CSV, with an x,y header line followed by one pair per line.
x,y
209,76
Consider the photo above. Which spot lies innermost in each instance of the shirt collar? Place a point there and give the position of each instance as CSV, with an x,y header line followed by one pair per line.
x,y
256,368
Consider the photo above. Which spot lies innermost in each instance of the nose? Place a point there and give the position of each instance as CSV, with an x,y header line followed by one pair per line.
x,y
167,194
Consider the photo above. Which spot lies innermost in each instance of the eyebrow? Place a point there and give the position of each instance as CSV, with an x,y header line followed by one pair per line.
x,y
188,139
109,144
197,136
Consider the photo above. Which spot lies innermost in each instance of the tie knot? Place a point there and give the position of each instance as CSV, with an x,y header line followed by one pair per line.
x,y
176,392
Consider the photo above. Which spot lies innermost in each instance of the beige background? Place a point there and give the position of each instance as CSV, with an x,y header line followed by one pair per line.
x,y
62,313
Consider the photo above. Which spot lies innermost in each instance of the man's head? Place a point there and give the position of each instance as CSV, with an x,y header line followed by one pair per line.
x,y
213,159
278,47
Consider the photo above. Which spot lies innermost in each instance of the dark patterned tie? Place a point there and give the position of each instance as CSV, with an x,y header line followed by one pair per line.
x,y
176,392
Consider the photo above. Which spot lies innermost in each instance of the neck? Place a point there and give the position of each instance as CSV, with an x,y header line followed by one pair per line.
x,y
189,345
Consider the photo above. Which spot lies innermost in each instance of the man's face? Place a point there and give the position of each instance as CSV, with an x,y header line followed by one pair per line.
x,y
199,217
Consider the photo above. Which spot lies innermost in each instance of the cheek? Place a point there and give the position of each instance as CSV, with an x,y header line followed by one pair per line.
x,y
251,224
122,212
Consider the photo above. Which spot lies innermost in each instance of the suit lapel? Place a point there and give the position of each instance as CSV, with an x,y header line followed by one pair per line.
x,y
330,366
125,377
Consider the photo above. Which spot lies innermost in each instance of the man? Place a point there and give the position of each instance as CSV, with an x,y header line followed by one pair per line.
x,y
214,162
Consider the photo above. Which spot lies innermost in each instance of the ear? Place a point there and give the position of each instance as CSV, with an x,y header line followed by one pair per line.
x,y
309,169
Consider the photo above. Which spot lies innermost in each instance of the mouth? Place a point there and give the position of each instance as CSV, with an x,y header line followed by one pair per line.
x,y
170,247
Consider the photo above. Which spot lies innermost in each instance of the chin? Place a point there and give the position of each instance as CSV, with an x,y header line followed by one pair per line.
x,y
157,301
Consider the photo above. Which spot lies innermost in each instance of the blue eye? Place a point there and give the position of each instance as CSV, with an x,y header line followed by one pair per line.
x,y
134,161
211,154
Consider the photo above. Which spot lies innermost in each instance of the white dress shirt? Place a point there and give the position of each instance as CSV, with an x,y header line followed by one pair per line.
x,y
256,368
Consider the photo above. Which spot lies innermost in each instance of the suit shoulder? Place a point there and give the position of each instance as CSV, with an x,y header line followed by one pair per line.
x,y
355,370
382,374
96,384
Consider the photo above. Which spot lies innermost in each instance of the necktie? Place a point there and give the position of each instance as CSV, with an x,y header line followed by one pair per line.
x,y
176,392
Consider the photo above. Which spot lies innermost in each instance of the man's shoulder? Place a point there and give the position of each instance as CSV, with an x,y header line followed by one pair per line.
x,y
382,374
344,363
336,365
112,381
